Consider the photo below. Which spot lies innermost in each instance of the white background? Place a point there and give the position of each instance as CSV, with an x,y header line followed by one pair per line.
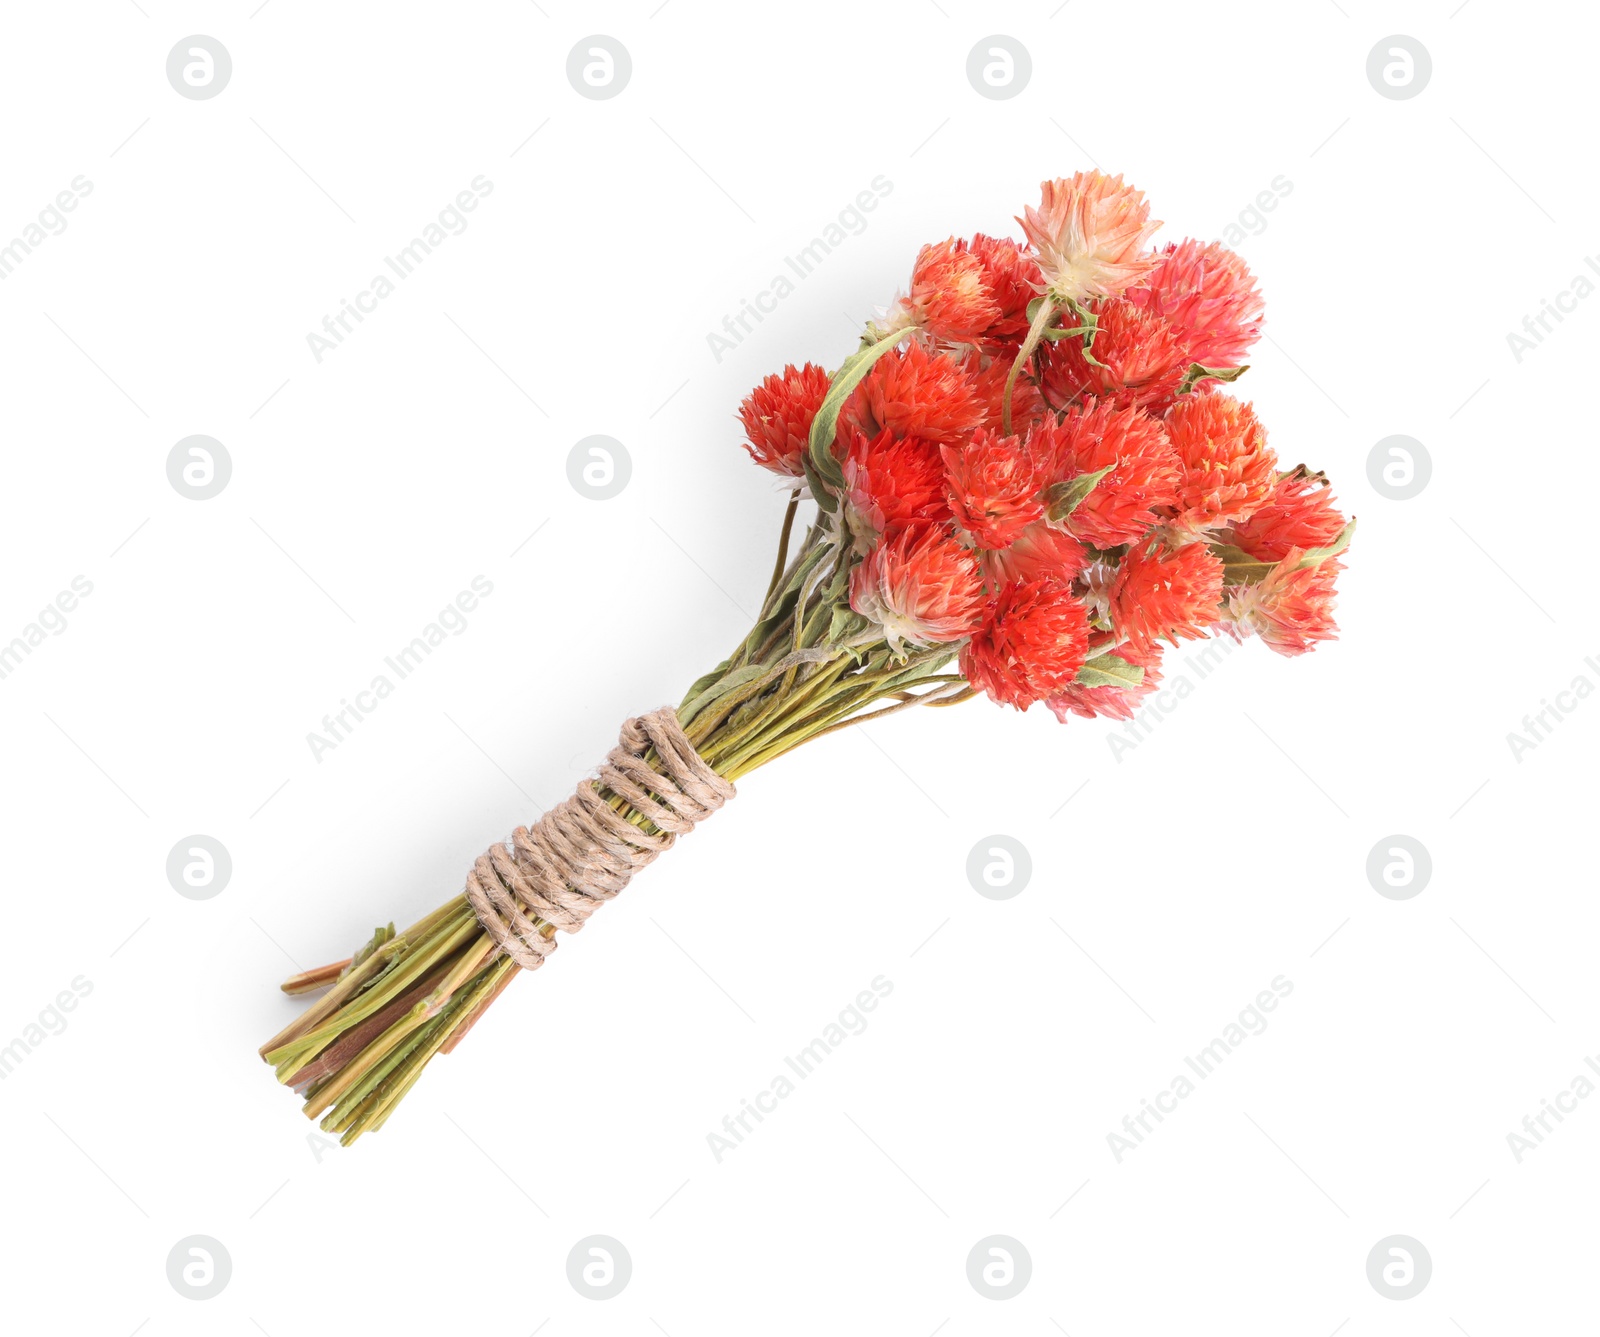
x,y
1170,884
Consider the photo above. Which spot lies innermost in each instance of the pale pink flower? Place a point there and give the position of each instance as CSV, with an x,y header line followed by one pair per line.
x,y
1089,234
1290,610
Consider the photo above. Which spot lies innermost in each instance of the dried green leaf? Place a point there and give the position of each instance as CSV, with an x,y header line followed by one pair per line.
x,y
1064,498
1110,670
1198,373
1239,567
847,624
821,467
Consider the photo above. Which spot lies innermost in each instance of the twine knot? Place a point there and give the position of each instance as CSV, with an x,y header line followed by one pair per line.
x,y
584,851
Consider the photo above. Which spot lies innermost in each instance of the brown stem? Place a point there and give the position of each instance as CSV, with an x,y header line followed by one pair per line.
x,y
352,1042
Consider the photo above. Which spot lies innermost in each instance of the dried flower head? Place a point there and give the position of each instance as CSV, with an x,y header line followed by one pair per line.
x,y
1041,550
1139,361
1161,593
890,482
1291,609
1228,471
993,487
1143,470
1298,514
915,392
920,586
1031,645
950,295
1013,277
1088,235
1208,295
777,417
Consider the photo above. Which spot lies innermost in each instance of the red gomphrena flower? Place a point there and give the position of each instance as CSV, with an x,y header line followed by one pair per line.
x,y
1208,295
913,392
1141,361
1228,471
920,586
1031,645
1040,551
1088,235
1027,404
1299,514
1290,610
1165,593
891,482
1144,470
950,296
777,417
993,484
1112,703
1012,276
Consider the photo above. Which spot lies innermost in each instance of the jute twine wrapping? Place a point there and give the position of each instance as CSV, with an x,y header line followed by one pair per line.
x,y
583,852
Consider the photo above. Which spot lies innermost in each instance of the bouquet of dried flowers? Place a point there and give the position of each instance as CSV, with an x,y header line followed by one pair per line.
x,y
1028,480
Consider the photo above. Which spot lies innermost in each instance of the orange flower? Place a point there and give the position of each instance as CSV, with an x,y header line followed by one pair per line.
x,y
1039,550
993,487
1209,296
1228,471
1144,470
1088,235
950,296
1298,514
1291,609
777,417
1169,594
1031,645
920,586
913,392
1012,275
1139,361
889,483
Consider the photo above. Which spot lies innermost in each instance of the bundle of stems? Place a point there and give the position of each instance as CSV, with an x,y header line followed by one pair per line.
x,y
808,667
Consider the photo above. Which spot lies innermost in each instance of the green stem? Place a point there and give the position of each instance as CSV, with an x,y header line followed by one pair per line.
x,y
783,545
416,994
1041,322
